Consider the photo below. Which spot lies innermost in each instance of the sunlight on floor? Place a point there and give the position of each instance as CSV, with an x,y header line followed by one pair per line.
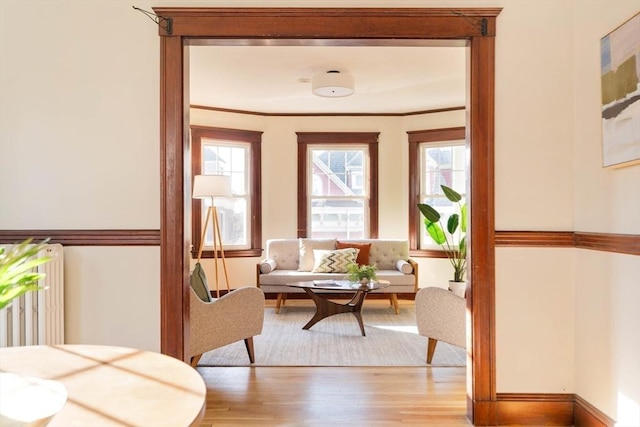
x,y
408,329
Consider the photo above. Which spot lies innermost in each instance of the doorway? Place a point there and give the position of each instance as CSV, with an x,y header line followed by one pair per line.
x,y
475,26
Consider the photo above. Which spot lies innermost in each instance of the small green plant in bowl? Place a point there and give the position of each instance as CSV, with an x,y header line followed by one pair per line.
x,y
16,270
361,273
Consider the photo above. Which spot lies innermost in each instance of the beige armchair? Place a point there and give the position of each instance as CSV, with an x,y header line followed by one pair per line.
x,y
236,316
440,315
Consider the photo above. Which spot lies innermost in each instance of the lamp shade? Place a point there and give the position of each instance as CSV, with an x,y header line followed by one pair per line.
x,y
332,84
205,186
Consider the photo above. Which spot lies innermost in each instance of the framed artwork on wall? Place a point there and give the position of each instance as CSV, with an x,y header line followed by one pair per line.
x,y
620,68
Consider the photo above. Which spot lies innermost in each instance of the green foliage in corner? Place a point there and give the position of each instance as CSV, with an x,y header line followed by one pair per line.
x,y
456,252
17,276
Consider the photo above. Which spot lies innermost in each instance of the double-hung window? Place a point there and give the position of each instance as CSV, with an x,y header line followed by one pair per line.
x,y
337,185
235,153
436,157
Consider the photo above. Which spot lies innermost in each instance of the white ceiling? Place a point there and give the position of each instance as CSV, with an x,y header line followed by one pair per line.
x,y
276,79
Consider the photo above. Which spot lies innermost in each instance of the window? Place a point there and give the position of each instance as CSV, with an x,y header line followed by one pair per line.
x,y
235,153
436,157
338,185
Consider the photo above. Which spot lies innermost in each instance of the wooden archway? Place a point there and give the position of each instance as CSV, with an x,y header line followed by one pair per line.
x,y
476,27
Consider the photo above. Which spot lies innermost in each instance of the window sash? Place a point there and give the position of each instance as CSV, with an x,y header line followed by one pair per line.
x,y
331,212
232,158
441,163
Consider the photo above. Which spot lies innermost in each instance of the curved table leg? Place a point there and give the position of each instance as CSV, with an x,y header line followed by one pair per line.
x,y
326,308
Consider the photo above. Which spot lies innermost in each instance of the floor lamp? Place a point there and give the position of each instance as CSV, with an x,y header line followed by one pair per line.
x,y
209,187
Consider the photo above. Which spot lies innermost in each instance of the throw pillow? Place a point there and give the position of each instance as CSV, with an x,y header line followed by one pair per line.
x,y
336,261
199,283
404,267
267,266
306,251
364,248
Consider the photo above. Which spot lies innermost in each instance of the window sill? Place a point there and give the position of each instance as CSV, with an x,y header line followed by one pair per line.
x,y
231,253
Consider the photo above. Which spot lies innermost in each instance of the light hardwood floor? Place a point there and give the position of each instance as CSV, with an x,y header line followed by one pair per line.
x,y
335,396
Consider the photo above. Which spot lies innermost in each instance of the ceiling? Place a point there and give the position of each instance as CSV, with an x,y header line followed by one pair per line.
x,y
277,79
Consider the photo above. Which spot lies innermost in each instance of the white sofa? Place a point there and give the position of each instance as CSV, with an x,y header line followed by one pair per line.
x,y
282,264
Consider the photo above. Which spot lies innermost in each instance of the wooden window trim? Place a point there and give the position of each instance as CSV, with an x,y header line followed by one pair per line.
x,y
255,222
415,139
370,139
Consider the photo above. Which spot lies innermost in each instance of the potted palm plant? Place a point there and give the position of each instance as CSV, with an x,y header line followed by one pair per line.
x,y
451,238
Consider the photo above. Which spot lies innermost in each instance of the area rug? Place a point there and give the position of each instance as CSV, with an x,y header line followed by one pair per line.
x,y
391,340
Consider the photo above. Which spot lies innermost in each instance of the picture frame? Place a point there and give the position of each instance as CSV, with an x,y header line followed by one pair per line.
x,y
620,89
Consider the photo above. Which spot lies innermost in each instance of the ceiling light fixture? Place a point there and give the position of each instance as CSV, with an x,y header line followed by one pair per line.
x,y
332,84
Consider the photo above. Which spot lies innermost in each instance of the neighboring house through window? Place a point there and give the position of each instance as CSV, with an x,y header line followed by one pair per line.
x,y
338,185
436,157
236,153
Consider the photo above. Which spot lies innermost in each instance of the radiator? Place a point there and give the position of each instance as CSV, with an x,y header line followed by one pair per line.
x,y
37,318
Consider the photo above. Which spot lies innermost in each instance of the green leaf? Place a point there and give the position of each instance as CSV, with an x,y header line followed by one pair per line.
x,y
463,215
452,223
451,194
462,247
429,213
435,231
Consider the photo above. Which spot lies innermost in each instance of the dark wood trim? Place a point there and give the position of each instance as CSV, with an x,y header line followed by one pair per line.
x,y
606,242
415,218
370,139
534,238
481,360
175,185
534,409
85,237
587,415
264,114
621,243
331,23
477,26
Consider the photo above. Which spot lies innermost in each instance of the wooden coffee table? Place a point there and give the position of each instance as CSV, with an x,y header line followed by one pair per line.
x,y
326,307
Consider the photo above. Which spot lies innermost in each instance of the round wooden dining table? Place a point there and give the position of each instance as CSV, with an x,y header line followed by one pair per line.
x,y
113,386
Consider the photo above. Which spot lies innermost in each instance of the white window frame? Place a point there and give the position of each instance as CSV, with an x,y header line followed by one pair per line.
x,y
364,197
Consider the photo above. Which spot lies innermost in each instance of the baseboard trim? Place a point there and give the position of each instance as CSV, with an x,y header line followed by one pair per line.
x,y
586,415
534,409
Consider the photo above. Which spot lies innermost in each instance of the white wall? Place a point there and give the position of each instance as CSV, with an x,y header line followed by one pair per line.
x,y
79,128
607,297
79,149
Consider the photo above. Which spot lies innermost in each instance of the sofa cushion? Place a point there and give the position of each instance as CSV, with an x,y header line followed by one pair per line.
x,y
306,251
267,266
404,267
363,248
336,261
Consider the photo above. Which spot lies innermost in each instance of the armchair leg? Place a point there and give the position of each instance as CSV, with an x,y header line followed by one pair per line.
x,y
195,360
248,342
431,348
279,302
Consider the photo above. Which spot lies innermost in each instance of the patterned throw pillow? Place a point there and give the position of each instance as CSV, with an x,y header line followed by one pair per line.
x,y
333,261
307,246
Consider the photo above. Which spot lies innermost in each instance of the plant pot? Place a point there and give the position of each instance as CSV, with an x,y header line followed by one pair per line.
x,y
364,281
458,288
